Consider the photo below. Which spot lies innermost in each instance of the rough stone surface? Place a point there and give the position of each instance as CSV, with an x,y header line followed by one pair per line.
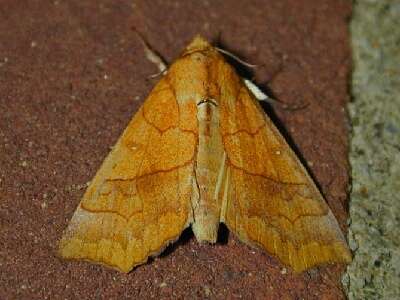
x,y
375,152
72,73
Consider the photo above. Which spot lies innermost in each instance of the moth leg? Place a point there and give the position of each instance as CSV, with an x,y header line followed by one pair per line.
x,y
256,91
153,56
261,96
157,60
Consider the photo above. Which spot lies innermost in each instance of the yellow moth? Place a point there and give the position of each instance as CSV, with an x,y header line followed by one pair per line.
x,y
201,151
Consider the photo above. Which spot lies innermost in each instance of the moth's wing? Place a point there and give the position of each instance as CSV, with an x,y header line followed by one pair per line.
x,y
269,199
139,200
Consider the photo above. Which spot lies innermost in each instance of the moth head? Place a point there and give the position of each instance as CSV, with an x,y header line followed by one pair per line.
x,y
198,44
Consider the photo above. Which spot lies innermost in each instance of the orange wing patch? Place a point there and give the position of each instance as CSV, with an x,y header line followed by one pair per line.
x,y
139,200
271,201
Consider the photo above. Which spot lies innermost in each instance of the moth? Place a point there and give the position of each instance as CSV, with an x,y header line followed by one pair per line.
x,y
201,151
